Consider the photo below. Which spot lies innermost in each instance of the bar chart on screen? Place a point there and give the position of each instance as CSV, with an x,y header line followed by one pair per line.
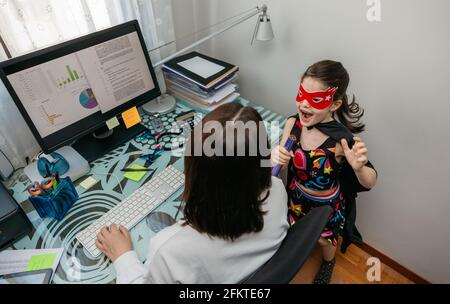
x,y
51,118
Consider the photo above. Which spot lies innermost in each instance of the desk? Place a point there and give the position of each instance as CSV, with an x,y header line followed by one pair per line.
x,y
76,265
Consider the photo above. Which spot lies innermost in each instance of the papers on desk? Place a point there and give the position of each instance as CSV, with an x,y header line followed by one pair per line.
x,y
12,261
201,66
219,96
201,81
204,71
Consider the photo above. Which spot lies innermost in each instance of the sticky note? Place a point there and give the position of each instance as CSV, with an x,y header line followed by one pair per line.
x,y
135,175
112,123
131,117
41,261
88,182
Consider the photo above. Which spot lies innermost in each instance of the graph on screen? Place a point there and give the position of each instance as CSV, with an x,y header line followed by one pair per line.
x,y
55,93
87,99
61,76
53,118
67,89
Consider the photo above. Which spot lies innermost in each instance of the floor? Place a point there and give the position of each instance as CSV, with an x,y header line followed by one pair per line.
x,y
350,268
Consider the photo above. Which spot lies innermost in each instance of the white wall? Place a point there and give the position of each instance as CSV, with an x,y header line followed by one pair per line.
x,y
192,21
399,70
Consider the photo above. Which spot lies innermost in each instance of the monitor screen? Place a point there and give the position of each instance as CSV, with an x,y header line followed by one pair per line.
x,y
71,89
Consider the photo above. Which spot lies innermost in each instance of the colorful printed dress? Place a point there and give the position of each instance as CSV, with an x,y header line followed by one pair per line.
x,y
316,170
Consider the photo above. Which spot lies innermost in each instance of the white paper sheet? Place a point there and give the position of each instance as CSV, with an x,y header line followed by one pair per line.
x,y
222,93
12,261
201,66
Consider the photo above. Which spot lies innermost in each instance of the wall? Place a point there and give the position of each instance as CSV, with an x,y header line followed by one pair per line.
x,y
399,71
192,21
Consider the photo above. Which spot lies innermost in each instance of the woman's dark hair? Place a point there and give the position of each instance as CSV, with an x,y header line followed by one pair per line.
x,y
222,194
333,74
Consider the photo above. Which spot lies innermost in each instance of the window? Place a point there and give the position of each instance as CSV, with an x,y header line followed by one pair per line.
x,y
27,25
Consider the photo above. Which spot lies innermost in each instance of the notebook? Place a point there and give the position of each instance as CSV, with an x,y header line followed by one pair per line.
x,y
200,69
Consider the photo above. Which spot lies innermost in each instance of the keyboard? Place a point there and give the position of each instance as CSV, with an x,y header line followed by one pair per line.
x,y
135,207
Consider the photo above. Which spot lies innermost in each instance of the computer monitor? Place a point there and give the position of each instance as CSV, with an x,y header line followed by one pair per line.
x,y
68,91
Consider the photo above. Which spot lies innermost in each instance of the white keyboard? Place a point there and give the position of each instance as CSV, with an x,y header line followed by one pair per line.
x,y
135,207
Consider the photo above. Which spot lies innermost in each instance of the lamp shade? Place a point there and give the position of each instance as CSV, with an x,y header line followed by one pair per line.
x,y
264,30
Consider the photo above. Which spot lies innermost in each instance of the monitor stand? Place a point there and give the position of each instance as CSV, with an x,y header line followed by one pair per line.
x,y
93,146
162,105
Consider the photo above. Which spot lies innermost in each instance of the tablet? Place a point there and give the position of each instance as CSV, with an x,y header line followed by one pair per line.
x,y
29,277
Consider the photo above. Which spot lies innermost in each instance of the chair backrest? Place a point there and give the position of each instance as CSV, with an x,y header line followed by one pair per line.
x,y
295,249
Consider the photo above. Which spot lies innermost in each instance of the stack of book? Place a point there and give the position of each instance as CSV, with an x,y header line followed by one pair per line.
x,y
201,81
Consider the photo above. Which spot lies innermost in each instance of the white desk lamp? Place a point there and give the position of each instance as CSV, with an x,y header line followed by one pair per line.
x,y
263,32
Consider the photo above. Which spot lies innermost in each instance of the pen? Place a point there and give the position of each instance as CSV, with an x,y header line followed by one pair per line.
x,y
135,169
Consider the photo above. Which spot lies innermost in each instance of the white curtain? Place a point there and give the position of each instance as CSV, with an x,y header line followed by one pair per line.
x,y
27,25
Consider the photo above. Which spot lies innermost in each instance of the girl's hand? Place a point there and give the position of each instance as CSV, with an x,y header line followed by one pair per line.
x,y
357,155
281,156
114,241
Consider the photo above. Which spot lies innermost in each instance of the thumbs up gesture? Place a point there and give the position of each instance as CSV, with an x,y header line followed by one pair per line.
x,y
357,155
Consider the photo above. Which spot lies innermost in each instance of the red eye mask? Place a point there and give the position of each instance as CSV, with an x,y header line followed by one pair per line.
x,y
318,100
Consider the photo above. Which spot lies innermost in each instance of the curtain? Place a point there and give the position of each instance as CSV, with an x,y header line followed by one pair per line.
x,y
27,25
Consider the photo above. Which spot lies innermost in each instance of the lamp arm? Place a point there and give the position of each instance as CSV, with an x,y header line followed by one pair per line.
x,y
257,11
201,30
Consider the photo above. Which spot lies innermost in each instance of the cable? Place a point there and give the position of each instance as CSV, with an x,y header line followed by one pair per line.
x,y
17,169
37,155
115,176
7,159
12,166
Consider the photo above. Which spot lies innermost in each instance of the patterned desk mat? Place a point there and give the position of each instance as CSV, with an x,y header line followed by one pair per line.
x,y
76,265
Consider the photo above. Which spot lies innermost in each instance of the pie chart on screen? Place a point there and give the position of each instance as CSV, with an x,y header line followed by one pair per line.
x,y
87,99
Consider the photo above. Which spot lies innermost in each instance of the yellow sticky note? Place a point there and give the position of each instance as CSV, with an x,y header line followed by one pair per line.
x,y
131,117
41,261
135,175
112,123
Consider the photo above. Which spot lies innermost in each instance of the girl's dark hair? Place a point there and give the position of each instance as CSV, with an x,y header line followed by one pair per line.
x,y
222,194
333,74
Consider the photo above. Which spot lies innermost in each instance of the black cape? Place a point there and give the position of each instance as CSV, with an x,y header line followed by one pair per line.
x,y
349,183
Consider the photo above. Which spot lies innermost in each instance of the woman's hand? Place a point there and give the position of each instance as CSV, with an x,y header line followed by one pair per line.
x,y
114,241
357,155
281,156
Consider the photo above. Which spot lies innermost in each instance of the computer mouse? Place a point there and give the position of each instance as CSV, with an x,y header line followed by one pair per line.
x,y
58,166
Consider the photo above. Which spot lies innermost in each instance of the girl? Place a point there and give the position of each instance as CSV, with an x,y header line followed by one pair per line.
x,y
321,151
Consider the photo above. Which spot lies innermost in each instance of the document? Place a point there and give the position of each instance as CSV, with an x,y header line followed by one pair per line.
x,y
117,70
201,66
12,261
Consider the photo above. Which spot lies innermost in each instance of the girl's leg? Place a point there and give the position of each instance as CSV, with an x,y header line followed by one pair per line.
x,y
328,250
331,233
323,276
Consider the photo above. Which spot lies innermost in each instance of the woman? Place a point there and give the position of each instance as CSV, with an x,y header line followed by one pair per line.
x,y
235,212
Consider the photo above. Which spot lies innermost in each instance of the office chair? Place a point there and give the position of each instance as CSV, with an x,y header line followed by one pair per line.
x,y
295,249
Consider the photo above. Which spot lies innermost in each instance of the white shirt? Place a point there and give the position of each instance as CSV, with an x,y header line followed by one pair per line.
x,y
181,254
